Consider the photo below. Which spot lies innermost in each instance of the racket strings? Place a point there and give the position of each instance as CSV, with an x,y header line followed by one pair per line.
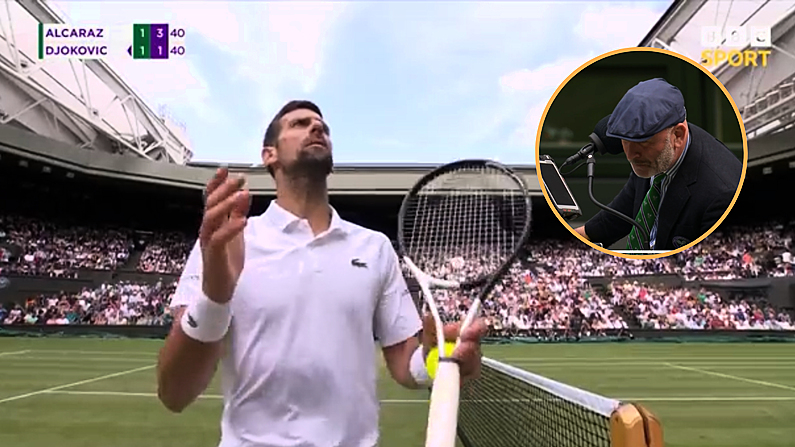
x,y
464,224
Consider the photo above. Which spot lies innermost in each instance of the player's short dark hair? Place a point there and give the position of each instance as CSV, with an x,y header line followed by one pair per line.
x,y
275,127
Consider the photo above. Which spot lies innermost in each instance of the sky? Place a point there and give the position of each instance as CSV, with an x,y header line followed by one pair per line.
x,y
398,82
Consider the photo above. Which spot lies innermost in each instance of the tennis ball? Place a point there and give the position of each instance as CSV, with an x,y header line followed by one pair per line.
x,y
432,362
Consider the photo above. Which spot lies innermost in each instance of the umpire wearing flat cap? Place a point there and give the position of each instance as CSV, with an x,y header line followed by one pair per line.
x,y
683,179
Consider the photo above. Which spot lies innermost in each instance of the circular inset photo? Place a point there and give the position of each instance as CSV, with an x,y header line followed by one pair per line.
x,y
641,153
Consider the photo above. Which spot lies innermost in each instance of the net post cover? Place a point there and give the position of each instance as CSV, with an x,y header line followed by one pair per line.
x,y
632,425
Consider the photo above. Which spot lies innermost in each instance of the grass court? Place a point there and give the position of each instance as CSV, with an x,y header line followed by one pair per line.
x,y
81,392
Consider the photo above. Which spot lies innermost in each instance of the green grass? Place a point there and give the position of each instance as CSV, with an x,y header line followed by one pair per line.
x,y
93,392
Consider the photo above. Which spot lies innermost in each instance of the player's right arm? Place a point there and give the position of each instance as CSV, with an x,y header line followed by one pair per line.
x,y
191,352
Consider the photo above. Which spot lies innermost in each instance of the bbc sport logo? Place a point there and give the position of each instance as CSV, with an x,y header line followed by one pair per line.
x,y
746,46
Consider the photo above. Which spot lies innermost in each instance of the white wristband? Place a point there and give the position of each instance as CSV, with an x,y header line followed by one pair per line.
x,y
205,320
417,368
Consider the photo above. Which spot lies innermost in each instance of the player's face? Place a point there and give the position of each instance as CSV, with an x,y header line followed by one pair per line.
x,y
655,155
304,146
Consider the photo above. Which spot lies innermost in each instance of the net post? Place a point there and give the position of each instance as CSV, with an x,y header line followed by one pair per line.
x,y
632,425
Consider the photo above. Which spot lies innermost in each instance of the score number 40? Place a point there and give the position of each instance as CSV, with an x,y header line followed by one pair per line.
x,y
178,50
178,33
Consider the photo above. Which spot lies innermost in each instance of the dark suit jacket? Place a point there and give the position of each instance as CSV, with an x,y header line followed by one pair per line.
x,y
697,197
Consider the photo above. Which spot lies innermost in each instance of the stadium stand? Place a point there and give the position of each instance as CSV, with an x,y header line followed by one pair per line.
x,y
166,253
122,303
681,308
95,251
546,292
49,249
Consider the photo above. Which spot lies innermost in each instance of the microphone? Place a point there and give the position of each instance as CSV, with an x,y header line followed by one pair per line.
x,y
605,145
599,142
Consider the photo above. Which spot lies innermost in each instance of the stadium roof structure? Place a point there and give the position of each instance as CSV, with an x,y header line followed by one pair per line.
x,y
347,179
765,95
761,93
419,167
79,102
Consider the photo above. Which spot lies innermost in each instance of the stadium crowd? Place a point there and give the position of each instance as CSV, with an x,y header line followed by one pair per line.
x,y
529,302
740,252
47,249
681,308
122,303
58,251
166,253
547,291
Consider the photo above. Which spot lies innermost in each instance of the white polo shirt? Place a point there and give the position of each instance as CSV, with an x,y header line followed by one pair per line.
x,y
299,368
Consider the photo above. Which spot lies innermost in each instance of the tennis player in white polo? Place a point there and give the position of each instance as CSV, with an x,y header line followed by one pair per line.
x,y
289,302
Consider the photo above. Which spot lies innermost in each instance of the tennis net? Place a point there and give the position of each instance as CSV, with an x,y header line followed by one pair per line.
x,y
511,407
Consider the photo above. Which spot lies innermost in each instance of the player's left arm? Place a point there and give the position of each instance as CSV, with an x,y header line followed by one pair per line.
x,y
397,321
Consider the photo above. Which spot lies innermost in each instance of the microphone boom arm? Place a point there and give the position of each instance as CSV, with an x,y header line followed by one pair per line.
x,y
586,151
591,160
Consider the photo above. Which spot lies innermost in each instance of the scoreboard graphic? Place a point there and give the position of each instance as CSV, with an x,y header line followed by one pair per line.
x,y
160,41
157,41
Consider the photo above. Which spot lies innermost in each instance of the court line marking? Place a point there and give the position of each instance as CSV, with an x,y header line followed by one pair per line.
x,y
3,354
784,365
732,377
68,351
661,358
411,401
91,359
81,382
789,364
506,359
781,364
122,394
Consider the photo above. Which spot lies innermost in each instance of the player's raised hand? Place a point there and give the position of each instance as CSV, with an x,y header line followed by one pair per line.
x,y
226,207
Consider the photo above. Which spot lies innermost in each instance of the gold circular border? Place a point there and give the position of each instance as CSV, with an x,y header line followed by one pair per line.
x,y
650,50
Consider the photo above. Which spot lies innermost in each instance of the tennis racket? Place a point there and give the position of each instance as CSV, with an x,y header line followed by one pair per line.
x,y
460,229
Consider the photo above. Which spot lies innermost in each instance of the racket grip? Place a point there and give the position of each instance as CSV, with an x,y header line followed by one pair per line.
x,y
443,411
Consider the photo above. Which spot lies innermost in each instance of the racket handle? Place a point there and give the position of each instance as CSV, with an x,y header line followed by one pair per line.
x,y
443,411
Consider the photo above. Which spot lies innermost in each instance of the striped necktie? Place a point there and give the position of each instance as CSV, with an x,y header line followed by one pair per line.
x,y
647,214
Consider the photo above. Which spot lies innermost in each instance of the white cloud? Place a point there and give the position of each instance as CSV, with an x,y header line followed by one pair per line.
x,y
439,35
535,88
176,82
288,49
281,50
302,31
602,28
459,48
525,134
214,20
274,45
615,26
544,79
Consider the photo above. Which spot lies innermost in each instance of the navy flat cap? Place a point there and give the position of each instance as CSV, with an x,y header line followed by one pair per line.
x,y
646,109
